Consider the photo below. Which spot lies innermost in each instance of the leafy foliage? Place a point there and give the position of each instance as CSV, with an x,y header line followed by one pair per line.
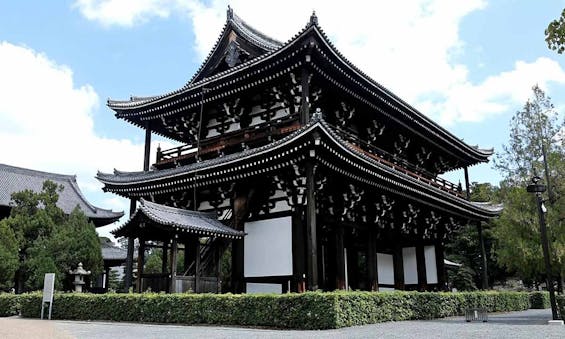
x,y
539,300
561,305
9,304
311,310
8,256
48,240
555,34
518,245
465,247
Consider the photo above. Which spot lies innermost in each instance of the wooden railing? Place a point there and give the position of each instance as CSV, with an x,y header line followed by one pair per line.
x,y
235,138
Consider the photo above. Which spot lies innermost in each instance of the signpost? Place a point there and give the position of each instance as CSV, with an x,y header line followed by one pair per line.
x,y
48,289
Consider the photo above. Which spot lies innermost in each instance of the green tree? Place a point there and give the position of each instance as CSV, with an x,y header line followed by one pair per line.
x,y
518,244
48,240
465,247
8,256
555,34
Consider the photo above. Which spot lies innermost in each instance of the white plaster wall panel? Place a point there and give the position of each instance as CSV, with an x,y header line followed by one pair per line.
x,y
385,268
431,266
410,265
253,288
267,247
386,289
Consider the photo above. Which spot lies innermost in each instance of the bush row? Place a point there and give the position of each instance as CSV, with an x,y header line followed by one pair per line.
x,y
540,300
312,310
561,305
9,304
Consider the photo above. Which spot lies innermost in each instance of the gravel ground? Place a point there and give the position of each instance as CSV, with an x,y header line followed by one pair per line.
x,y
515,325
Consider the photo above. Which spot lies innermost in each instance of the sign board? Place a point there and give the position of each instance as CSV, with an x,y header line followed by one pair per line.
x,y
48,289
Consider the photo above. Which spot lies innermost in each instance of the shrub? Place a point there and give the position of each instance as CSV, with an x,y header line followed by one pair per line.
x,y
539,300
561,305
9,304
312,310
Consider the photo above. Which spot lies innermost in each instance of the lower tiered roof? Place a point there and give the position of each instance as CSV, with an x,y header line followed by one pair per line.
x,y
158,218
334,153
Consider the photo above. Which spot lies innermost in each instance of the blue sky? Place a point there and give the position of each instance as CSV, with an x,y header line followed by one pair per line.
x,y
468,65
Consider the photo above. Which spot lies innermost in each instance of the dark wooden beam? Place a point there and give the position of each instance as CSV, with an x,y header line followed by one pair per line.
x,y
129,259
467,185
174,248
140,262
197,266
147,147
440,266
311,238
372,273
398,267
339,259
298,262
305,108
129,264
421,266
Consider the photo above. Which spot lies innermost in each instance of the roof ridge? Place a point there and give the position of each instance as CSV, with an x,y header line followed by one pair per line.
x,y
27,171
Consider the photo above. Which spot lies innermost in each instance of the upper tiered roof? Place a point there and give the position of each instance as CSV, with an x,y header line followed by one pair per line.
x,y
269,59
15,179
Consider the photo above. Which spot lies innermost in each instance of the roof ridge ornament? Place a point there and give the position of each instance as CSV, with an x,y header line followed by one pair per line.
x,y
317,115
313,19
229,13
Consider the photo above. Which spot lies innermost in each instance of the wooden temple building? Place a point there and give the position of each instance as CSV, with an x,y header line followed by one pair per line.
x,y
316,175
15,179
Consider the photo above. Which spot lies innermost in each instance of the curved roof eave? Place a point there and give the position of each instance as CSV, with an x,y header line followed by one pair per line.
x,y
144,177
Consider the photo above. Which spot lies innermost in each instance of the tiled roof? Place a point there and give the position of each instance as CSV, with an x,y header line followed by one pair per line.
x,y
15,179
111,252
132,178
181,220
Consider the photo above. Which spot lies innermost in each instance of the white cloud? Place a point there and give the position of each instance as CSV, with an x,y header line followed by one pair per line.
x,y
408,46
123,12
46,121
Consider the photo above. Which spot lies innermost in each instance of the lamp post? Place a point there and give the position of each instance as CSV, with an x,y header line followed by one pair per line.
x,y
538,189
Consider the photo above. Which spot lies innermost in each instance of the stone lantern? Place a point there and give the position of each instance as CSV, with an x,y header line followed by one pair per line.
x,y
79,274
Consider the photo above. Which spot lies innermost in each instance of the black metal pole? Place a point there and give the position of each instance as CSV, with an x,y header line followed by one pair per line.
x,y
545,247
546,170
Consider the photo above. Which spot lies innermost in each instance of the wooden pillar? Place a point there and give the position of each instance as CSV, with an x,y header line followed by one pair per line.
x,y
140,262
197,288
339,259
129,259
298,260
467,186
398,268
173,271
484,271
147,147
421,266
237,251
186,259
311,237
164,257
372,274
440,267
305,108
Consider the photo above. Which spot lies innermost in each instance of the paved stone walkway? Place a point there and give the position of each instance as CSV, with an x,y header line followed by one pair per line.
x,y
527,324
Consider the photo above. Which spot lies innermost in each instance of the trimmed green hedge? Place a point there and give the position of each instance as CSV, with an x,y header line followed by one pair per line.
x,y
540,300
312,310
561,305
9,304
